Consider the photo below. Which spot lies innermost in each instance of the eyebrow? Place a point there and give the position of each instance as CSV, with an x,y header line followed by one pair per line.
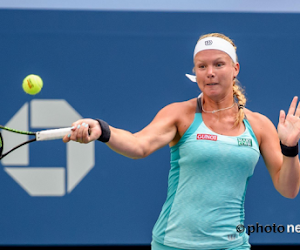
x,y
217,59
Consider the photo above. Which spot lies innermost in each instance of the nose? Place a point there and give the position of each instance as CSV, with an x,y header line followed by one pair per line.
x,y
210,72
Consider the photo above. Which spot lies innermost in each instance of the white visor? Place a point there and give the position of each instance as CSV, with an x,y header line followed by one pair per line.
x,y
216,43
213,43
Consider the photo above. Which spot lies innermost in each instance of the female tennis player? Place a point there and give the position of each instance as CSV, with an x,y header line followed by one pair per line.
x,y
215,144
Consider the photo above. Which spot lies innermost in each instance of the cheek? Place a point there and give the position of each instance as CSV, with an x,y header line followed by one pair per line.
x,y
200,80
227,76
200,75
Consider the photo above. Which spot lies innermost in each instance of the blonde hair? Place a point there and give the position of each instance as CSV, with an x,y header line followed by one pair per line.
x,y
238,91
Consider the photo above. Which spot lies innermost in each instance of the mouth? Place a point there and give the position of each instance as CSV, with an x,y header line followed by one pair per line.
x,y
211,84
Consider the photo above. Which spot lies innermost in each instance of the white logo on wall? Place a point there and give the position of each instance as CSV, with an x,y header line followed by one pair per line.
x,y
46,181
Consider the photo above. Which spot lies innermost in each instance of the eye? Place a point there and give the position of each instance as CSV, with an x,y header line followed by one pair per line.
x,y
219,64
201,66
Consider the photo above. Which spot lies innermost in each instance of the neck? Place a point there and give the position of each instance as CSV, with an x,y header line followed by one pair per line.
x,y
214,107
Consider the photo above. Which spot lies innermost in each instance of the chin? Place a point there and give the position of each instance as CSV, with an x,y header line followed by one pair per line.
x,y
212,93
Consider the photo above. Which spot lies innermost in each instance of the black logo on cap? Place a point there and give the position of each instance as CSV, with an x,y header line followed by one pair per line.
x,y
208,42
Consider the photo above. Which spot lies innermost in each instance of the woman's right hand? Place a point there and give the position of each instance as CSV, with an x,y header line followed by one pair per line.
x,y
84,131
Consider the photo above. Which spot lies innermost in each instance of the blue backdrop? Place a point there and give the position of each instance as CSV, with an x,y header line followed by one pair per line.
x,y
124,67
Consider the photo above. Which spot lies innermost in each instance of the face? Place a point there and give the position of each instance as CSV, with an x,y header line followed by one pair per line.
x,y
215,72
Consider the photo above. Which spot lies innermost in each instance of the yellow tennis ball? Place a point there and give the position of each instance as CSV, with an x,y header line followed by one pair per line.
x,y
32,84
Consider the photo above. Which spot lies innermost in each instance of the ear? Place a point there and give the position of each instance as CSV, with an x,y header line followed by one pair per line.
x,y
236,67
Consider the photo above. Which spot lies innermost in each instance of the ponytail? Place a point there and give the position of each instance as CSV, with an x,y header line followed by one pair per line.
x,y
238,94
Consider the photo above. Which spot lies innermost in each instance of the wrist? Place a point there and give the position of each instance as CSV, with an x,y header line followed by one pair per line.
x,y
289,151
105,131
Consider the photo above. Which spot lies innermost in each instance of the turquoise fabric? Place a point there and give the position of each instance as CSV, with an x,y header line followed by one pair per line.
x,y
206,189
157,246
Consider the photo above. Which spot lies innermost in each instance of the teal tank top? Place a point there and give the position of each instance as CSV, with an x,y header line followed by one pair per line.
x,y
206,188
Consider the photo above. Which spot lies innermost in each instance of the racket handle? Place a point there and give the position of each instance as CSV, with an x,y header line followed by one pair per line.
x,y
52,134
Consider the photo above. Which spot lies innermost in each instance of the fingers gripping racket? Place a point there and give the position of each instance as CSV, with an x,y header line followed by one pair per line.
x,y
51,134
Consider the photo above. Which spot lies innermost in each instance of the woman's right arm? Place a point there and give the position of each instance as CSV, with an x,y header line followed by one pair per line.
x,y
160,132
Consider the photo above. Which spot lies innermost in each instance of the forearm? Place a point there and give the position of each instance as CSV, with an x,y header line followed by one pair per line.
x,y
157,134
125,143
289,177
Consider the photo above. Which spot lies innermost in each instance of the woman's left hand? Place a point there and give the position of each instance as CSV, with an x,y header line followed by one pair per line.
x,y
289,125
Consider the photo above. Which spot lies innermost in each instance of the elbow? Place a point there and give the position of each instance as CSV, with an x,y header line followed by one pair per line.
x,y
290,195
289,189
136,157
140,151
293,195
140,155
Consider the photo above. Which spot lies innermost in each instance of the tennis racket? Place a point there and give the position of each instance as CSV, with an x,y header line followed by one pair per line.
x,y
44,135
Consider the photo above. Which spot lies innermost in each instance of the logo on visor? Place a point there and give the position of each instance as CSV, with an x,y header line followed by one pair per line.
x,y
207,137
208,42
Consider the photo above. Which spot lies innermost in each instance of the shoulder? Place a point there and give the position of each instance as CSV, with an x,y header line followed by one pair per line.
x,y
255,117
183,105
180,108
180,115
173,114
261,124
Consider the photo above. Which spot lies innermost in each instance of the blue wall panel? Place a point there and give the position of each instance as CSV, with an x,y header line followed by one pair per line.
x,y
123,67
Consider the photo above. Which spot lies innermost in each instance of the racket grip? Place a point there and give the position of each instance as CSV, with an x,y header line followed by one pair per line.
x,y
52,134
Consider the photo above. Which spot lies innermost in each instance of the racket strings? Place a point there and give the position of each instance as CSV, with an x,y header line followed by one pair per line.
x,y
1,144
24,143
50,134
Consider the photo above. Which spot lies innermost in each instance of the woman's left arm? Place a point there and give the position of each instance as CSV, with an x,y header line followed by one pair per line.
x,y
284,170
